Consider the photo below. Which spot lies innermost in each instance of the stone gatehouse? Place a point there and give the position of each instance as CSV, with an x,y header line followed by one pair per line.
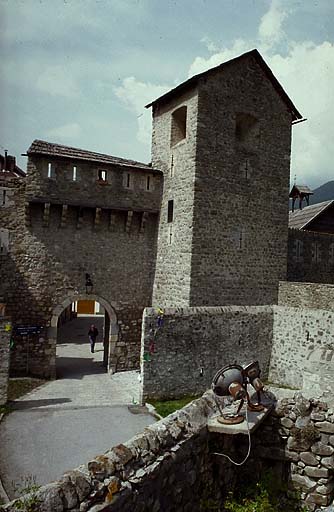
x,y
190,229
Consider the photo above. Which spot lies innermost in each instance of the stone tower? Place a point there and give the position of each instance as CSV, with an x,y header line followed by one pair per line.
x,y
223,140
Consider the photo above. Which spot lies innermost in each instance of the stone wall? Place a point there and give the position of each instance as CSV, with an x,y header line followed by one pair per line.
x,y
116,192
182,355
303,349
5,334
306,295
300,433
182,348
310,256
222,247
173,269
172,464
49,253
242,163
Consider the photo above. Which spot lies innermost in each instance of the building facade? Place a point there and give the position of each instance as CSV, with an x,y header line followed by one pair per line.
x,y
187,230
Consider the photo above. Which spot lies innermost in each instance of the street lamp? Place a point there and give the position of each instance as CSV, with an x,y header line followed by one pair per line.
x,y
89,284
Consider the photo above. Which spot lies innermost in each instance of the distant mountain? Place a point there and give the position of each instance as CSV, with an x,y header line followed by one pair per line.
x,y
323,193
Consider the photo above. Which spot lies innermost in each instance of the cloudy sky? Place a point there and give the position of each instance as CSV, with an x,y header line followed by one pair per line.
x,y
79,72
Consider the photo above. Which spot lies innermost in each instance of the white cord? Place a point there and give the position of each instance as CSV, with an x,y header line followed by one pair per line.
x,y
249,446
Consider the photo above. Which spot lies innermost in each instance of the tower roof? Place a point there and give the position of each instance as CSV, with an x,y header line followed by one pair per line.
x,y
184,86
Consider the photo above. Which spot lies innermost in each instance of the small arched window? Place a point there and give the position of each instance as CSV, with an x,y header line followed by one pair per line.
x,y
179,125
245,127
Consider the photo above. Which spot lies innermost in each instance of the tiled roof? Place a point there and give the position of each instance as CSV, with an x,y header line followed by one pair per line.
x,y
299,219
194,80
302,189
41,147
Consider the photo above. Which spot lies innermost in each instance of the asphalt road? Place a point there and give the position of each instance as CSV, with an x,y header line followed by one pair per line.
x,y
69,421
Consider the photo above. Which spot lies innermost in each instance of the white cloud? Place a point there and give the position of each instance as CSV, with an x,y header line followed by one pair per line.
x,y
57,81
306,72
304,68
136,95
270,28
201,64
65,132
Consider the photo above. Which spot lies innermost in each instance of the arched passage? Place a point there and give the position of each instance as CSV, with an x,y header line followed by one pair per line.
x,y
110,326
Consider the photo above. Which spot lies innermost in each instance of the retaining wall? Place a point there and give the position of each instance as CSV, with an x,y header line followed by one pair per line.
x,y
181,356
303,349
184,347
306,295
5,334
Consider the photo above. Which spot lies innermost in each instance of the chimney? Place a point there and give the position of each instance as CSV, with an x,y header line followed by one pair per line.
x,y
4,168
10,163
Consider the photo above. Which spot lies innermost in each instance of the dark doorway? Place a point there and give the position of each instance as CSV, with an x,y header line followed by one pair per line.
x,y
73,355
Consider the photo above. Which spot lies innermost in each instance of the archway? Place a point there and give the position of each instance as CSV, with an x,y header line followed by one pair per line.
x,y
108,328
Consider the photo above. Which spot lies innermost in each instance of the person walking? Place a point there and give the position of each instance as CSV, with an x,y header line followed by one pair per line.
x,y
92,335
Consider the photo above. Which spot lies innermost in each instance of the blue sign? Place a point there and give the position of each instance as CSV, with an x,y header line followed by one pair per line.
x,y
27,330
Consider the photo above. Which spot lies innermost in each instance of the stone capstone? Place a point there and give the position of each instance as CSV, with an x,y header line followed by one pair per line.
x,y
326,488
325,426
303,482
70,497
318,499
328,462
309,459
286,422
316,472
322,449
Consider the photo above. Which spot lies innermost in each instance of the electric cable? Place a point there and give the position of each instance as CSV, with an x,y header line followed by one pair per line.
x,y
249,446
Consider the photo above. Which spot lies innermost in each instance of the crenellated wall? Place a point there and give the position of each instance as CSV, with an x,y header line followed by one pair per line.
x,y
51,248
124,188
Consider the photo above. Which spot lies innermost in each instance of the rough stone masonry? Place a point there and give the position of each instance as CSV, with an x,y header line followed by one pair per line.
x,y
188,230
171,465
5,335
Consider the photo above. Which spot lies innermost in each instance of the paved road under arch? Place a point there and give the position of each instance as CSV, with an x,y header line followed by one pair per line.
x,y
66,422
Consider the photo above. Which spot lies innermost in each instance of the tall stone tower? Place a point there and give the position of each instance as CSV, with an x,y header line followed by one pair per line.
x,y
223,140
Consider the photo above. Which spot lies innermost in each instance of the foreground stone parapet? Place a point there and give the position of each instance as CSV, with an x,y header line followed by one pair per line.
x,y
174,464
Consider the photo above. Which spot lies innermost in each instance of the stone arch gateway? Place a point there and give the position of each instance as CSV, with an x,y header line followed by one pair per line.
x,y
110,329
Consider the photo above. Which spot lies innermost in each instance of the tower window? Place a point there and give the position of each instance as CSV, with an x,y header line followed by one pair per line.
x,y
331,253
172,167
179,125
148,183
128,180
51,171
74,175
245,127
299,251
316,252
170,211
102,175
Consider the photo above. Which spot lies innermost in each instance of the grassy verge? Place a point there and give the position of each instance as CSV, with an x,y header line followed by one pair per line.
x,y
19,387
166,407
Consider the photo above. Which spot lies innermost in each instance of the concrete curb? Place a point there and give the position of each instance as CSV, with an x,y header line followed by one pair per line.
x,y
3,494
